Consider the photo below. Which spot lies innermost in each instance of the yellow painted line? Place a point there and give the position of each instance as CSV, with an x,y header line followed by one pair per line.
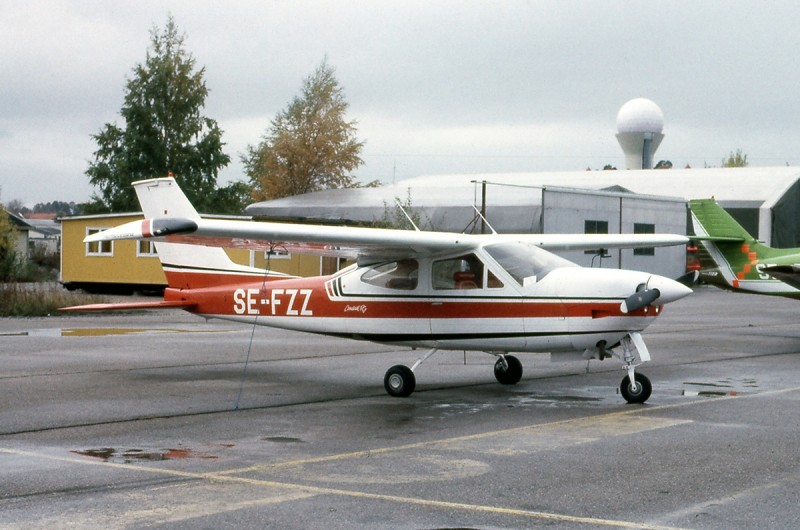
x,y
217,477
448,441
226,476
503,432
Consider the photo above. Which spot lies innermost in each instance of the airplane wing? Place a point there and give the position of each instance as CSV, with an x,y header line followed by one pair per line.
x,y
355,242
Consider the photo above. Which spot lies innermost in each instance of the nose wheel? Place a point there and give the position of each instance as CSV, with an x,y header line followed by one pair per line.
x,y
635,387
638,391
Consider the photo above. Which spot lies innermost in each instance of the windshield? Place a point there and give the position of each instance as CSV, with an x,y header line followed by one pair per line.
x,y
526,263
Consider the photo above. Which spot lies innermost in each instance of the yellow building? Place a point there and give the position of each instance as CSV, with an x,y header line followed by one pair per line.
x,y
127,266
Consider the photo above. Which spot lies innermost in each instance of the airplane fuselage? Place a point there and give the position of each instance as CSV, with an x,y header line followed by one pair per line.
x,y
490,292
572,309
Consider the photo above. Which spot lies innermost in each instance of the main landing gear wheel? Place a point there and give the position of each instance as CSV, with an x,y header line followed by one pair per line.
x,y
399,381
509,373
638,394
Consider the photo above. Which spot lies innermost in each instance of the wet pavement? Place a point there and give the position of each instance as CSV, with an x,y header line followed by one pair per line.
x,y
164,419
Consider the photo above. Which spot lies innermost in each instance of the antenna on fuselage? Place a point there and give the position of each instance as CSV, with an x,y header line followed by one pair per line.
x,y
400,205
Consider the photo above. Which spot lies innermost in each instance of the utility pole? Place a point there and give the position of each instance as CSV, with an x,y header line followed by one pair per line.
x,y
483,207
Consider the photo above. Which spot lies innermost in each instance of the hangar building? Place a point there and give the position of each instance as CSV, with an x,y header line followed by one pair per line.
x,y
765,200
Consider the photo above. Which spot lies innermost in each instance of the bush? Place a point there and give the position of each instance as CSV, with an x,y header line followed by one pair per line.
x,y
37,299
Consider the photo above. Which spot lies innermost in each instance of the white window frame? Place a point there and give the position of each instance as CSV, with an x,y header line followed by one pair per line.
x,y
100,244
151,245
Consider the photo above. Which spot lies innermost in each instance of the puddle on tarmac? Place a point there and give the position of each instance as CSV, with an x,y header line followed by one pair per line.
x,y
99,332
534,398
283,440
127,456
725,387
517,399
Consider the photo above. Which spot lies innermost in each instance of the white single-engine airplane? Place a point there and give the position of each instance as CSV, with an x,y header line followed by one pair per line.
x,y
439,291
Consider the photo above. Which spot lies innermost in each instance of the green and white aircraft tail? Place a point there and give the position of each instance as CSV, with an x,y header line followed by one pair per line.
x,y
731,258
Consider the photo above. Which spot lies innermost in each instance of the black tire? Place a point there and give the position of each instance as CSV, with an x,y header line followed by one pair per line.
x,y
510,375
399,381
643,389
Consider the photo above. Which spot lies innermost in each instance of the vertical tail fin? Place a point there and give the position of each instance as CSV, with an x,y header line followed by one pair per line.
x,y
711,220
731,253
187,266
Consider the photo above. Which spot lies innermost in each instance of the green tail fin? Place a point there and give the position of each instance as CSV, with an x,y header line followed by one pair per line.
x,y
715,224
728,254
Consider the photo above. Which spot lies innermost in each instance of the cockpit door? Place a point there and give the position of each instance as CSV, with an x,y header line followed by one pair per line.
x,y
472,307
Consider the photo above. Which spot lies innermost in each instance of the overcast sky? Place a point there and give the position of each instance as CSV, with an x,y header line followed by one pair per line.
x,y
436,87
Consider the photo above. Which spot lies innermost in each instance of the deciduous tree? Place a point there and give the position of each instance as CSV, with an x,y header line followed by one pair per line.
x,y
8,241
736,159
310,145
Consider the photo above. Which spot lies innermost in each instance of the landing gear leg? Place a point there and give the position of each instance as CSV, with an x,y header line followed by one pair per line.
x,y
635,387
400,381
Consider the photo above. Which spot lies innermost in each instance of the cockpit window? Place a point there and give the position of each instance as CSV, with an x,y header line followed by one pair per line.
x,y
526,263
403,275
463,272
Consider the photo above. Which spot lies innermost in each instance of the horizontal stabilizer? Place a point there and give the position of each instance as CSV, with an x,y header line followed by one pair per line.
x,y
131,305
718,239
788,274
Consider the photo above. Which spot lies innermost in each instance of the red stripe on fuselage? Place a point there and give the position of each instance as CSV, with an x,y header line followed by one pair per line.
x,y
310,297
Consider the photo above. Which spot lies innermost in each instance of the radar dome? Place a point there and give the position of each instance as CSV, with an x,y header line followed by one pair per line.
x,y
640,115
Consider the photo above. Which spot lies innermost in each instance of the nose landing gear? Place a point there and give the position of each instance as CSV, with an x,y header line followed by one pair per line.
x,y
635,387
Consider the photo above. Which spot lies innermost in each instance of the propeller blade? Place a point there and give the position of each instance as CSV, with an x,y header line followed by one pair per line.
x,y
689,279
639,300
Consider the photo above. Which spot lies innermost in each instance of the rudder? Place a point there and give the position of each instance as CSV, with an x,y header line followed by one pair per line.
x,y
188,266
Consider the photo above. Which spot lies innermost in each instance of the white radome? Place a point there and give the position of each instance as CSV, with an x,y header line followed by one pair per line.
x,y
640,115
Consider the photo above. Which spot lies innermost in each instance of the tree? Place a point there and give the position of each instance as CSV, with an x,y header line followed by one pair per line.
x,y
60,208
736,159
164,131
17,206
8,241
310,146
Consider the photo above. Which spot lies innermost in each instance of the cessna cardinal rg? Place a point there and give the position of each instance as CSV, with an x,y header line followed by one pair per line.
x,y
439,291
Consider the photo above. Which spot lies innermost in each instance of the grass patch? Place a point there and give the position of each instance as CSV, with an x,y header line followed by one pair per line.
x,y
39,299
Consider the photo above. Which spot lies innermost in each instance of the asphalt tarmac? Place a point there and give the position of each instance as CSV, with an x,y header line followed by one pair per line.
x,y
167,420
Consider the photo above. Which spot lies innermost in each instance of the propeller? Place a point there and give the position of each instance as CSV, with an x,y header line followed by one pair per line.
x,y
641,298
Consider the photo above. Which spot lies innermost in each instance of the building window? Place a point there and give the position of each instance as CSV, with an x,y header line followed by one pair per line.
x,y
98,248
644,228
277,253
595,227
145,249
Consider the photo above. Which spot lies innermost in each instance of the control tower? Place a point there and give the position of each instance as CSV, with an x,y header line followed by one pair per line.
x,y
639,126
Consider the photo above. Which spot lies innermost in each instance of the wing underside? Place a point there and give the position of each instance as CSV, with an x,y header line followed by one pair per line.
x,y
358,242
